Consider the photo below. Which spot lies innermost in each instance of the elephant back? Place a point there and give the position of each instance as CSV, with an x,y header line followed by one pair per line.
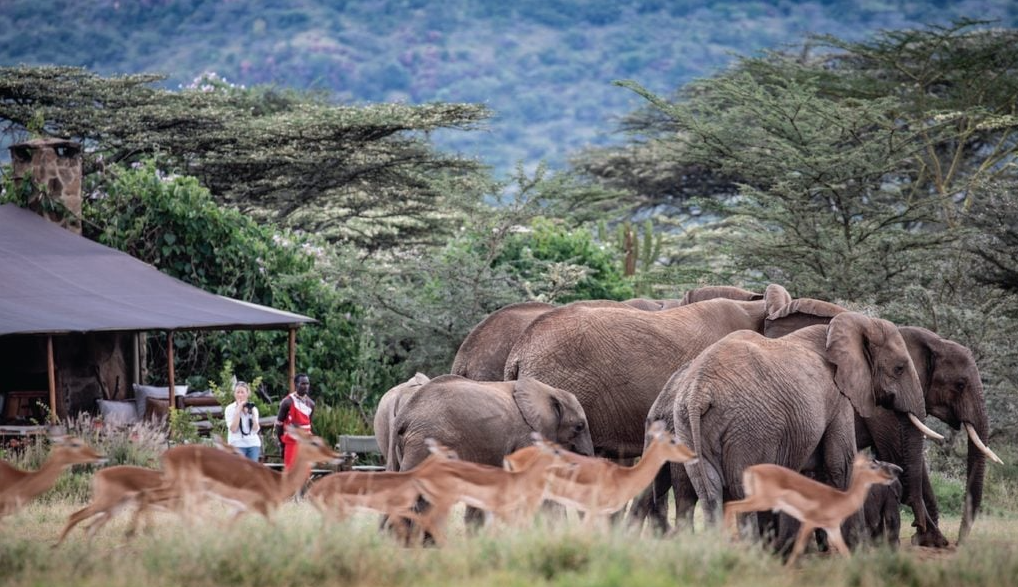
x,y
711,292
482,354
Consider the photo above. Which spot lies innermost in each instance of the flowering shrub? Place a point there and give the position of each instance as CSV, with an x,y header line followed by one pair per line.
x,y
138,444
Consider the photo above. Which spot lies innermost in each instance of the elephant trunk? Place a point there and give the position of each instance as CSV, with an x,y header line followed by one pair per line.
x,y
583,444
914,465
974,476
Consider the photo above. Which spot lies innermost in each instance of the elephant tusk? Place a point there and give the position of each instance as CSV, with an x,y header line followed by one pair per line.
x,y
974,437
923,427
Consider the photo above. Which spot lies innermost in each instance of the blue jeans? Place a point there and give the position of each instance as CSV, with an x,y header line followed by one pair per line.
x,y
251,452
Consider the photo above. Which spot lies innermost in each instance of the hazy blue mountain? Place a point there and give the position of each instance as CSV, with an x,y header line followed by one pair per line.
x,y
545,66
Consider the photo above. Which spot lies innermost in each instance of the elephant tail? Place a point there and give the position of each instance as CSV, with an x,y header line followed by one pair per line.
x,y
696,440
705,480
395,452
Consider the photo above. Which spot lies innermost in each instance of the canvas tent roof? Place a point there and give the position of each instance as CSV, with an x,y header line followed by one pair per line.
x,y
54,281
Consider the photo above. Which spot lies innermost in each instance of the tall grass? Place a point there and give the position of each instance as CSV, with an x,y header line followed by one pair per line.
x,y
300,550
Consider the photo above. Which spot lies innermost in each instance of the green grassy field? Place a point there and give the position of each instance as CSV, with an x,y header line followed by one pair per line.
x,y
297,549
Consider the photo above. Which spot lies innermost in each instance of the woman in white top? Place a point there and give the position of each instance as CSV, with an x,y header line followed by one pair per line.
x,y
242,420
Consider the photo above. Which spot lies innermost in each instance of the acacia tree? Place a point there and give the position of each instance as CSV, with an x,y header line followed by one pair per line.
x,y
421,302
850,166
995,217
365,174
817,211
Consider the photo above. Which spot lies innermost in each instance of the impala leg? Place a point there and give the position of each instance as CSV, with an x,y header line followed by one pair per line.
x,y
75,519
836,540
98,523
800,542
733,509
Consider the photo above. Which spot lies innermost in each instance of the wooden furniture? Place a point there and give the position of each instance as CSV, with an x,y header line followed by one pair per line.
x,y
24,406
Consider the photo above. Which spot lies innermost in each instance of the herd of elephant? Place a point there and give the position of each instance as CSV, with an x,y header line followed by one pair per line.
x,y
742,378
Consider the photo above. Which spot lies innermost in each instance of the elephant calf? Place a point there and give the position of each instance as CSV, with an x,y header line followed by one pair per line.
x,y
483,421
883,514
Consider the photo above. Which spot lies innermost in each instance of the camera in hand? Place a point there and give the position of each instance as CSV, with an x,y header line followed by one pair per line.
x,y
248,406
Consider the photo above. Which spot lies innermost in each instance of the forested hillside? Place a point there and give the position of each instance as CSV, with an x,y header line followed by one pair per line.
x,y
544,67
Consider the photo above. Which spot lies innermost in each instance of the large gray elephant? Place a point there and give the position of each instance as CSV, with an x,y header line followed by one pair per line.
x,y
385,414
791,401
485,421
953,393
482,354
617,360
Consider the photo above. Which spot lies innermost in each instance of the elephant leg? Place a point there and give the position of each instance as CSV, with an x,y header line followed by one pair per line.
x,y
653,503
932,509
685,497
932,536
838,449
891,522
706,479
426,520
473,519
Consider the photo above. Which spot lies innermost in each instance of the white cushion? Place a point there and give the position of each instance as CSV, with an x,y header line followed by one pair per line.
x,y
142,392
118,412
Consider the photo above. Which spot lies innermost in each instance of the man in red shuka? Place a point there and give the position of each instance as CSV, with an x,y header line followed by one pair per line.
x,y
295,409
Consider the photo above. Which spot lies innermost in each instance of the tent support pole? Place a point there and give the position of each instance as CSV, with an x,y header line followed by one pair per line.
x,y
171,394
52,372
293,357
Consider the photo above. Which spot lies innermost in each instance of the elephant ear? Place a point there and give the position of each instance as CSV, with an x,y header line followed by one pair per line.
x,y
924,346
775,297
848,340
538,406
798,314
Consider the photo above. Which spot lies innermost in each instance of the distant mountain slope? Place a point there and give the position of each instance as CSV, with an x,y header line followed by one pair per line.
x,y
545,66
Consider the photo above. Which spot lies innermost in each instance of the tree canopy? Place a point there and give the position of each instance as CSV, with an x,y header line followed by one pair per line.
x,y
852,166
365,175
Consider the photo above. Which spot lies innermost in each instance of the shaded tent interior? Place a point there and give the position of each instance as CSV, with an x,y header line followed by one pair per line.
x,y
73,313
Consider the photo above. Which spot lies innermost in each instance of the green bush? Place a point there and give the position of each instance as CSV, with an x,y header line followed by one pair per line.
x,y
331,421
950,493
546,244
173,223
1001,484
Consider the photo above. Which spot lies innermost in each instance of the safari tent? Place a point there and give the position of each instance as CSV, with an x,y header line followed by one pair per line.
x,y
71,311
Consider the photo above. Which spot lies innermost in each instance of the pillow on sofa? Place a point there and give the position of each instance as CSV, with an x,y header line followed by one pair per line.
x,y
156,410
118,412
143,392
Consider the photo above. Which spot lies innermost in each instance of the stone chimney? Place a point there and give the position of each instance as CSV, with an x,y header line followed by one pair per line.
x,y
54,168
